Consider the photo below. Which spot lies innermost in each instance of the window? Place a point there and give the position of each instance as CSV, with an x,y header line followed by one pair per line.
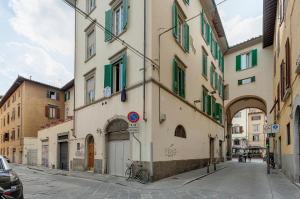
x,y
237,129
91,43
67,95
205,29
18,132
90,89
204,63
181,29
116,19
204,98
78,146
8,118
53,95
256,128
52,112
178,78
246,81
115,74
19,110
246,60
255,138
256,117
288,64
180,131
236,142
91,5
13,114
212,75
288,134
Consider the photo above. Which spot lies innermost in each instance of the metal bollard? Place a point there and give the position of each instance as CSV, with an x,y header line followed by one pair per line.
x,y
208,167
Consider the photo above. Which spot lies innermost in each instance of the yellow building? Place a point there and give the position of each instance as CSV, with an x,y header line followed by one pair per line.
x,y
282,31
26,107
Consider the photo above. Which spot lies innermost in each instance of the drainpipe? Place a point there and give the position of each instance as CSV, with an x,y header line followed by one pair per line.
x,y
144,64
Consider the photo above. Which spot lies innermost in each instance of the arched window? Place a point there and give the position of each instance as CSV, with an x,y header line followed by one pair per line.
x,y
180,131
236,142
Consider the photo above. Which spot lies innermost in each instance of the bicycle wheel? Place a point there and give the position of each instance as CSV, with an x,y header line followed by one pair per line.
x,y
143,176
128,173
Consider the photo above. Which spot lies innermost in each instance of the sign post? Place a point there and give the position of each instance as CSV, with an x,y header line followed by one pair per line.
x,y
133,118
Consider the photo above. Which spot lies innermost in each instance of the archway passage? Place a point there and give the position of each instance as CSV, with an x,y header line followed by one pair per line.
x,y
118,146
90,152
232,108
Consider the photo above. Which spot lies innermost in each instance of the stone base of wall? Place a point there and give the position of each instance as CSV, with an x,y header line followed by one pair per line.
x,y
288,167
164,169
77,165
98,166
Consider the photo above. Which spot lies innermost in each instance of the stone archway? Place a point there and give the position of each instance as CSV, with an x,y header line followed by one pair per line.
x,y
117,141
236,105
90,152
296,117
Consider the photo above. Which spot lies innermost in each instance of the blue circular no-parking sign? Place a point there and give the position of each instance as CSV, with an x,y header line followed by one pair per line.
x,y
133,117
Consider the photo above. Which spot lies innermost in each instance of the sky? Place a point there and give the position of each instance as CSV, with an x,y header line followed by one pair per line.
x,y
37,37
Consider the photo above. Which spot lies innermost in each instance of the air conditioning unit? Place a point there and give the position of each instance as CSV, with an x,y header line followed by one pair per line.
x,y
298,66
287,94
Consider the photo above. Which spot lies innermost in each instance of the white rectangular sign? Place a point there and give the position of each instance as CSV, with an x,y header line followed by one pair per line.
x,y
133,128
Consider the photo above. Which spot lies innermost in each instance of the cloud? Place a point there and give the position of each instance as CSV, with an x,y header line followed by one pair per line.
x,y
46,23
240,29
32,61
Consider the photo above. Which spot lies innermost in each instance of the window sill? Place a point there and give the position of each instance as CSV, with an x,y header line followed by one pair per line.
x,y
246,69
91,57
117,36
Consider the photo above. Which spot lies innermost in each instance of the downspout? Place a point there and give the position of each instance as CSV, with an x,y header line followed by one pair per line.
x,y
75,50
144,64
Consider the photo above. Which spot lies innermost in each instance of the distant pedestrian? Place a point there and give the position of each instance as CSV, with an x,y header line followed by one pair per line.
x,y
249,156
245,157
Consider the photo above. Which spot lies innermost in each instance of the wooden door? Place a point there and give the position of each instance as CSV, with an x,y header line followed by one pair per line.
x,y
90,156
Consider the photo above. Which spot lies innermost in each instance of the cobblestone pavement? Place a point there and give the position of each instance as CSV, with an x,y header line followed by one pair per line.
x,y
236,181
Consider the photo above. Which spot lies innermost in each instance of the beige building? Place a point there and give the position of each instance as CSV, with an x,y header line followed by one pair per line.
x,y
239,132
282,32
247,80
177,89
54,139
256,135
25,107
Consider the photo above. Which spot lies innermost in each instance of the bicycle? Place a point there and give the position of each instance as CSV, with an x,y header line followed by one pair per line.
x,y
139,174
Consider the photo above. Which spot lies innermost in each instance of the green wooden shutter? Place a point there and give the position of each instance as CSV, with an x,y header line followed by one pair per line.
x,y
204,64
202,23
108,25
238,62
182,83
216,81
213,107
187,1
253,79
207,34
254,57
208,104
204,94
125,14
186,37
175,20
175,77
220,114
124,75
108,75
222,59
211,75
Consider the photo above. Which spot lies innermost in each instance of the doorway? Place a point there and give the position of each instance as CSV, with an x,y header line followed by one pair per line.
x,y
90,153
45,153
221,150
279,152
63,156
118,147
211,150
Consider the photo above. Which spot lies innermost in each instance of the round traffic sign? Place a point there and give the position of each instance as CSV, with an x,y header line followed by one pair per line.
x,y
133,117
